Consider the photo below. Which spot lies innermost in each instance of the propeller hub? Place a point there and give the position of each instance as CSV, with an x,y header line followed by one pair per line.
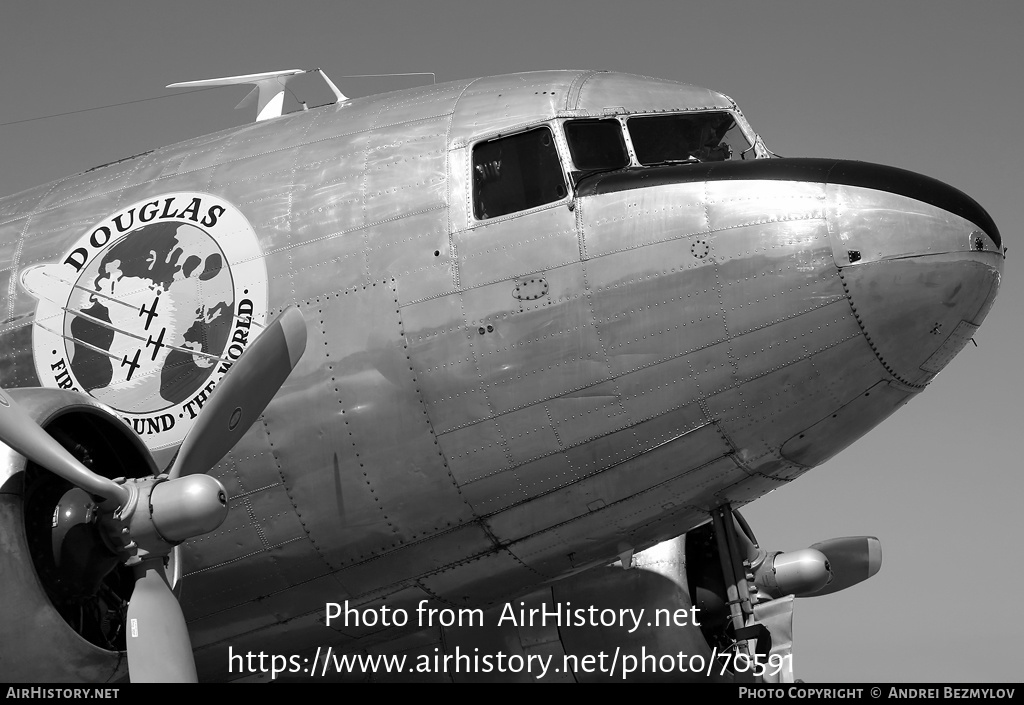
x,y
166,512
189,506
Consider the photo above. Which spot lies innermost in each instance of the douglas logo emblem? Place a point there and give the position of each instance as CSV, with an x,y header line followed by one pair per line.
x,y
148,309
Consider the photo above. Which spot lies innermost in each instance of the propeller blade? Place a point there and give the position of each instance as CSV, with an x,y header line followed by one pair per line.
x,y
853,559
243,394
159,650
24,435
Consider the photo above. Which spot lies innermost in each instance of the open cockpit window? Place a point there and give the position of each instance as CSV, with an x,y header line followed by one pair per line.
x,y
515,173
704,137
596,144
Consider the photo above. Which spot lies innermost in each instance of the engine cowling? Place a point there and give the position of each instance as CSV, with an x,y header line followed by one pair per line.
x,y
821,569
64,608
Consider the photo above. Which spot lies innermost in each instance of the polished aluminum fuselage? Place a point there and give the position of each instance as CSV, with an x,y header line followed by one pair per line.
x,y
485,406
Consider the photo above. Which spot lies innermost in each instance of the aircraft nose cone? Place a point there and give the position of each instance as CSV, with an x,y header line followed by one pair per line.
x,y
920,263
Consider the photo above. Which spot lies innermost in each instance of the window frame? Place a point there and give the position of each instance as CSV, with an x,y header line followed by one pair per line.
x,y
738,122
605,118
561,154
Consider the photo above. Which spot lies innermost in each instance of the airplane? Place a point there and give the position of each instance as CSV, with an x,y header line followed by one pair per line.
x,y
469,373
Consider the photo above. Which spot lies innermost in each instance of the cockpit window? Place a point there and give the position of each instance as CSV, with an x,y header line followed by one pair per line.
x,y
596,144
705,137
515,173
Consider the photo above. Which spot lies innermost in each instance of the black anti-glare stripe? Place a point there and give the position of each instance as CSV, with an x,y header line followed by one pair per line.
x,y
828,171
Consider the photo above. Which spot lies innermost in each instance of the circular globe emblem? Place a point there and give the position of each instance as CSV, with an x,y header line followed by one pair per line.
x,y
149,309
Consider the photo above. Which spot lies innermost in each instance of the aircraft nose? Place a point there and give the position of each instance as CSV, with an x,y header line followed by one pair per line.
x,y
919,260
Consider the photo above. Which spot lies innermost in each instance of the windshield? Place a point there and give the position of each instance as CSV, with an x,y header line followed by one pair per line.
x,y
596,144
705,137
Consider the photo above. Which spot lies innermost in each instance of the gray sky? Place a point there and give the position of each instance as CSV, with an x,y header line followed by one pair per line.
x,y
931,86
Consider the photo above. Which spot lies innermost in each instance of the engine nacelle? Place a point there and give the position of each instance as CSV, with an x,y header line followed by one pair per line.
x,y
799,573
43,600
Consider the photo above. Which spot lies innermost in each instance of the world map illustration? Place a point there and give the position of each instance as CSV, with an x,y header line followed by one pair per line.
x,y
165,293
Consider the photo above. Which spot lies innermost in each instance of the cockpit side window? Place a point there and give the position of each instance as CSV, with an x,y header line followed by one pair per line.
x,y
596,144
515,173
705,137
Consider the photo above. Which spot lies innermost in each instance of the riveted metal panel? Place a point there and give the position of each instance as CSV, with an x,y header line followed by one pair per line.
x,y
541,353
99,184
36,247
475,451
961,335
350,117
316,460
492,104
314,269
665,510
529,433
585,458
16,366
280,134
659,387
667,456
608,454
484,370
774,271
402,249
307,192
441,348
880,225
578,419
497,303
847,368
627,220
766,300
733,204
10,235
268,610
47,232
772,407
935,293
250,465
817,443
498,575
418,559
493,492
405,167
212,550
415,103
460,182
682,264
17,205
545,379
382,407
513,246
272,513
8,280
415,252
193,161
254,573
794,338
653,303
642,94
412,245
747,489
